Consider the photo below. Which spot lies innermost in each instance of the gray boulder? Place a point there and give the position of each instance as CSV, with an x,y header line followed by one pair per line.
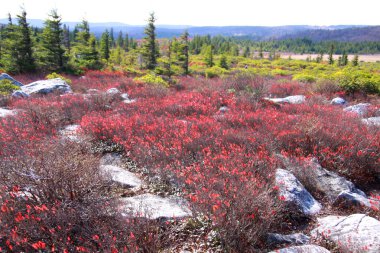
x,y
5,76
47,86
355,233
338,101
302,249
295,193
70,132
155,207
19,94
359,109
6,112
373,121
113,91
279,239
121,176
297,99
318,179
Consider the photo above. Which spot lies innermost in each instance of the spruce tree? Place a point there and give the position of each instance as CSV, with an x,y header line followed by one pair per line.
x,y
9,57
52,57
120,40
185,52
24,45
105,45
126,42
150,51
247,52
331,52
209,57
355,61
223,62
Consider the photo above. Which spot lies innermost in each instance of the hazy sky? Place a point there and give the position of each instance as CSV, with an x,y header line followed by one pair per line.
x,y
205,12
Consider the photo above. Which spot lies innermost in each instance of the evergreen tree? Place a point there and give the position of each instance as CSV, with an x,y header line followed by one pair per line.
x,y
120,40
261,54
126,42
209,57
52,55
84,50
185,52
112,38
331,52
246,52
105,45
150,51
24,45
9,55
67,38
344,59
355,61
223,62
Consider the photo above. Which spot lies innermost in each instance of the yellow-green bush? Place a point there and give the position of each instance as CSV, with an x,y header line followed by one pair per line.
x,y
152,79
7,87
55,75
305,78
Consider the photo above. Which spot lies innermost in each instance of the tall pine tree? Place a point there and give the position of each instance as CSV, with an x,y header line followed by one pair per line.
x,y
150,50
105,45
24,45
52,55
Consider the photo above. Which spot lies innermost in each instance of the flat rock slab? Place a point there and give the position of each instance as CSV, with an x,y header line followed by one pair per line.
x,y
6,112
355,233
279,239
43,87
5,76
297,99
302,249
359,109
121,176
373,121
295,193
155,207
70,132
111,159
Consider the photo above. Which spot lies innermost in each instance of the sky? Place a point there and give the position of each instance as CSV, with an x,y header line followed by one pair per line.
x,y
205,12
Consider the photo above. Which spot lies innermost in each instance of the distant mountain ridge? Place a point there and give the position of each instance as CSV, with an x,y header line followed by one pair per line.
x,y
316,33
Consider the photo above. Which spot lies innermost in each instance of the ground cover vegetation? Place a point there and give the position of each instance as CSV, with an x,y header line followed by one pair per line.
x,y
198,120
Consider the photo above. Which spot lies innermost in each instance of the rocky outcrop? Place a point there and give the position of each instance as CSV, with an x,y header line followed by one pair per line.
x,y
373,121
295,239
19,94
154,207
70,132
6,112
360,109
294,193
113,91
5,76
302,249
338,101
297,99
44,87
355,233
121,176
320,180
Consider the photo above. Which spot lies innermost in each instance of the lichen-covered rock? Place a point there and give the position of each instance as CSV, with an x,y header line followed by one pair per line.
x,y
297,99
44,87
113,91
359,109
121,176
295,193
155,207
6,112
295,239
19,94
355,233
338,101
302,249
5,76
373,121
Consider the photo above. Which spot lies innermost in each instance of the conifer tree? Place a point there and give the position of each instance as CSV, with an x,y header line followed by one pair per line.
x,y
52,56
223,62
9,57
150,50
105,45
120,40
247,52
24,45
331,52
185,52
126,42
355,61
209,57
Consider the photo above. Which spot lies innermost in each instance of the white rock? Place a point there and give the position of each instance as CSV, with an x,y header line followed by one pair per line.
x,y
8,77
124,96
355,233
70,132
359,109
129,101
295,193
297,99
155,207
373,121
121,176
338,101
19,94
6,112
302,249
113,91
46,87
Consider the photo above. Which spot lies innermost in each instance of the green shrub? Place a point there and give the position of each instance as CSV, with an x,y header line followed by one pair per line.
x,y
55,75
152,79
304,78
7,87
355,81
215,71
